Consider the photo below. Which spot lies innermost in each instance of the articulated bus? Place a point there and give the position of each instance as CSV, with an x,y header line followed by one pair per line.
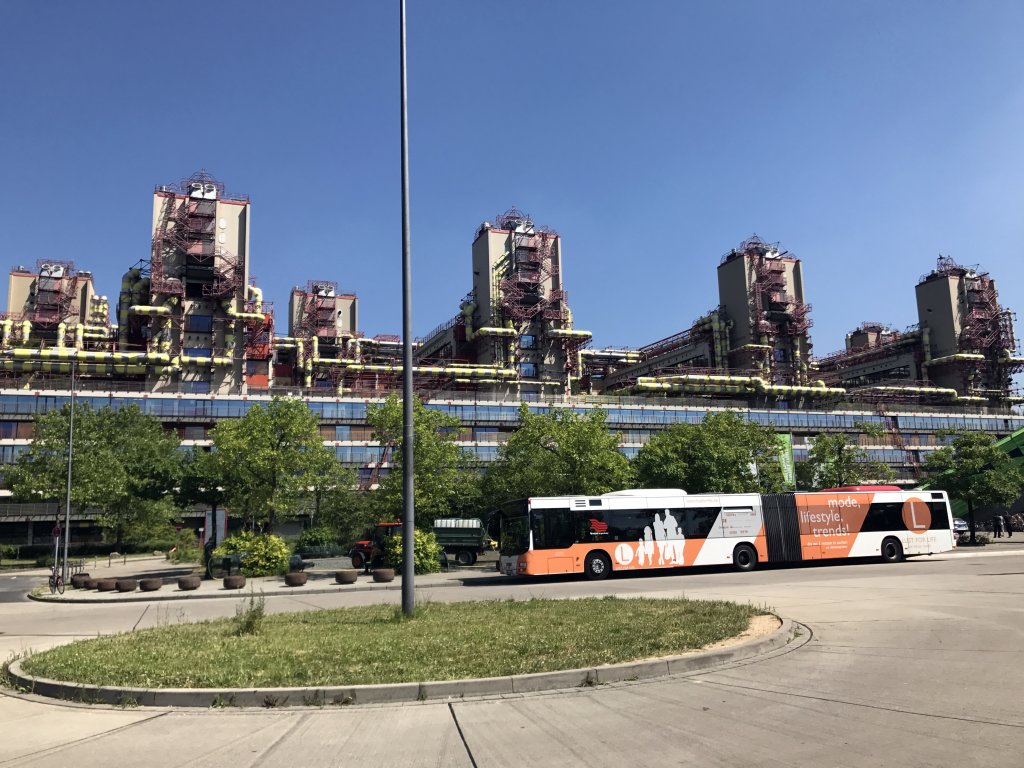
x,y
646,529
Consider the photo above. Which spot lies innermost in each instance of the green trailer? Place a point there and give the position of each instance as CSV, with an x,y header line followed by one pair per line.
x,y
463,539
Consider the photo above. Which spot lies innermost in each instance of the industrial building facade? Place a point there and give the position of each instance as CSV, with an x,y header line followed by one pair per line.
x,y
192,341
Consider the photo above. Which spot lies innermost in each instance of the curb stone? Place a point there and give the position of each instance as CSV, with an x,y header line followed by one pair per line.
x,y
398,692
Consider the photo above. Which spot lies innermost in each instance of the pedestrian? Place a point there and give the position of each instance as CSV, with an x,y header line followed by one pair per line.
x,y
997,526
1009,526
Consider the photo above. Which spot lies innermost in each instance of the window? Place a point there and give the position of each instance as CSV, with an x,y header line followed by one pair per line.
x,y
199,323
700,521
553,528
527,370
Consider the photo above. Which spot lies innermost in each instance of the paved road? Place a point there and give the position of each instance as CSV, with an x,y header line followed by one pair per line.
x,y
918,664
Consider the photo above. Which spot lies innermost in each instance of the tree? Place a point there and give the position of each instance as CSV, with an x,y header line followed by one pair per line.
x,y
125,465
834,462
973,470
723,454
554,454
200,481
443,477
267,459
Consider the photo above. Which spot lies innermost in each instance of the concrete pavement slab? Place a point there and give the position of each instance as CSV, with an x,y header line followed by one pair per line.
x,y
31,728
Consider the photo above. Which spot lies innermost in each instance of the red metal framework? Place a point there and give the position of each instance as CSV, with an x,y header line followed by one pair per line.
x,y
532,264
259,334
319,310
54,292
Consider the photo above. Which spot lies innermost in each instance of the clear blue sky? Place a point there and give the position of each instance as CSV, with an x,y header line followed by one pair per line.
x,y
866,137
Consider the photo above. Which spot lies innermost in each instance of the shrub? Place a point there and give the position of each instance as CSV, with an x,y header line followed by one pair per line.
x,y
249,617
318,537
426,552
185,547
265,554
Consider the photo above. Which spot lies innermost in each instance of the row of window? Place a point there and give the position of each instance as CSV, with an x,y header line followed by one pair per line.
x,y
470,414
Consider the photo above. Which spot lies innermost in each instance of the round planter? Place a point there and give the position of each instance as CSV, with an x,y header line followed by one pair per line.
x,y
346,577
383,575
89,584
106,585
79,579
295,579
234,582
188,583
127,585
150,585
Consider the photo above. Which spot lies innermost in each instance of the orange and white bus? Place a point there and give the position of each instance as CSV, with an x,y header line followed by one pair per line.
x,y
646,529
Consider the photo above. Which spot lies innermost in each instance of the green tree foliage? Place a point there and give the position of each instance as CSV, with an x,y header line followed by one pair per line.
x,y
267,460
557,453
723,454
125,465
426,552
834,461
444,482
973,470
200,481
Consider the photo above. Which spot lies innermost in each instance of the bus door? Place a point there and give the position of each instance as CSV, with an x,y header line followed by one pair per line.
x,y
554,531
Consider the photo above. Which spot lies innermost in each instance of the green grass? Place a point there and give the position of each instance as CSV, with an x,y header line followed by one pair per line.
x,y
376,644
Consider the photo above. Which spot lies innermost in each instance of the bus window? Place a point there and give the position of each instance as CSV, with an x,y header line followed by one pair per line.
x,y
514,538
700,521
940,515
628,524
553,529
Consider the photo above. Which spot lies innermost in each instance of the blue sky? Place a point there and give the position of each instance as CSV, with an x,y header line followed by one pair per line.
x,y
866,137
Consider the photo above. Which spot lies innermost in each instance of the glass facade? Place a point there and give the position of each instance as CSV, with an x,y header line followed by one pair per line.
x,y
486,425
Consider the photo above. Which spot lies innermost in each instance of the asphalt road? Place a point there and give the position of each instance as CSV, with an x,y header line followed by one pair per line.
x,y
915,664
14,587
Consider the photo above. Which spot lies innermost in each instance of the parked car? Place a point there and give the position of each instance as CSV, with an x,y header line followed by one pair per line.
x,y
960,526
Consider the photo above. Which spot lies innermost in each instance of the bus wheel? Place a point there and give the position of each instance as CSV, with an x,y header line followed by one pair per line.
x,y
892,551
597,566
462,557
744,558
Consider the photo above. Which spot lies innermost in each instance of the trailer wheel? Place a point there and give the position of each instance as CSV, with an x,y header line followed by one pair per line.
x,y
358,561
462,557
474,558
744,558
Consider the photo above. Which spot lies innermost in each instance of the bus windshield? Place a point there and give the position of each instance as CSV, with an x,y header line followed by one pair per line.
x,y
514,537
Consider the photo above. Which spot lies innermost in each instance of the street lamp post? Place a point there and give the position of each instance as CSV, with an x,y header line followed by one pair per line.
x,y
408,447
71,454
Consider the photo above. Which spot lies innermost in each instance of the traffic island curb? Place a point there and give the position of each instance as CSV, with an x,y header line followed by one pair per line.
x,y
395,693
221,593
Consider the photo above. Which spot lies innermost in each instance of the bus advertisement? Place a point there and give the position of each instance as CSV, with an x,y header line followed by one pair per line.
x,y
648,529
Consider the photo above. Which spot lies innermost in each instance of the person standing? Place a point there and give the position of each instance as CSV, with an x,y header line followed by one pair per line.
x,y
997,526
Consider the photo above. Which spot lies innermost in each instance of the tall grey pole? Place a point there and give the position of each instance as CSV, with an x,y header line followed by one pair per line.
x,y
71,454
408,446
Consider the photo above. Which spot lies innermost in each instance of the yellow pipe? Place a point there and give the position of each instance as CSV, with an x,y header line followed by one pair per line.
x,y
26,331
452,370
561,333
951,358
79,336
256,296
146,309
234,314
62,328
7,325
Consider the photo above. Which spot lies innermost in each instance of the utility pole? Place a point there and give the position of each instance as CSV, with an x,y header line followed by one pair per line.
x,y
408,440
71,454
